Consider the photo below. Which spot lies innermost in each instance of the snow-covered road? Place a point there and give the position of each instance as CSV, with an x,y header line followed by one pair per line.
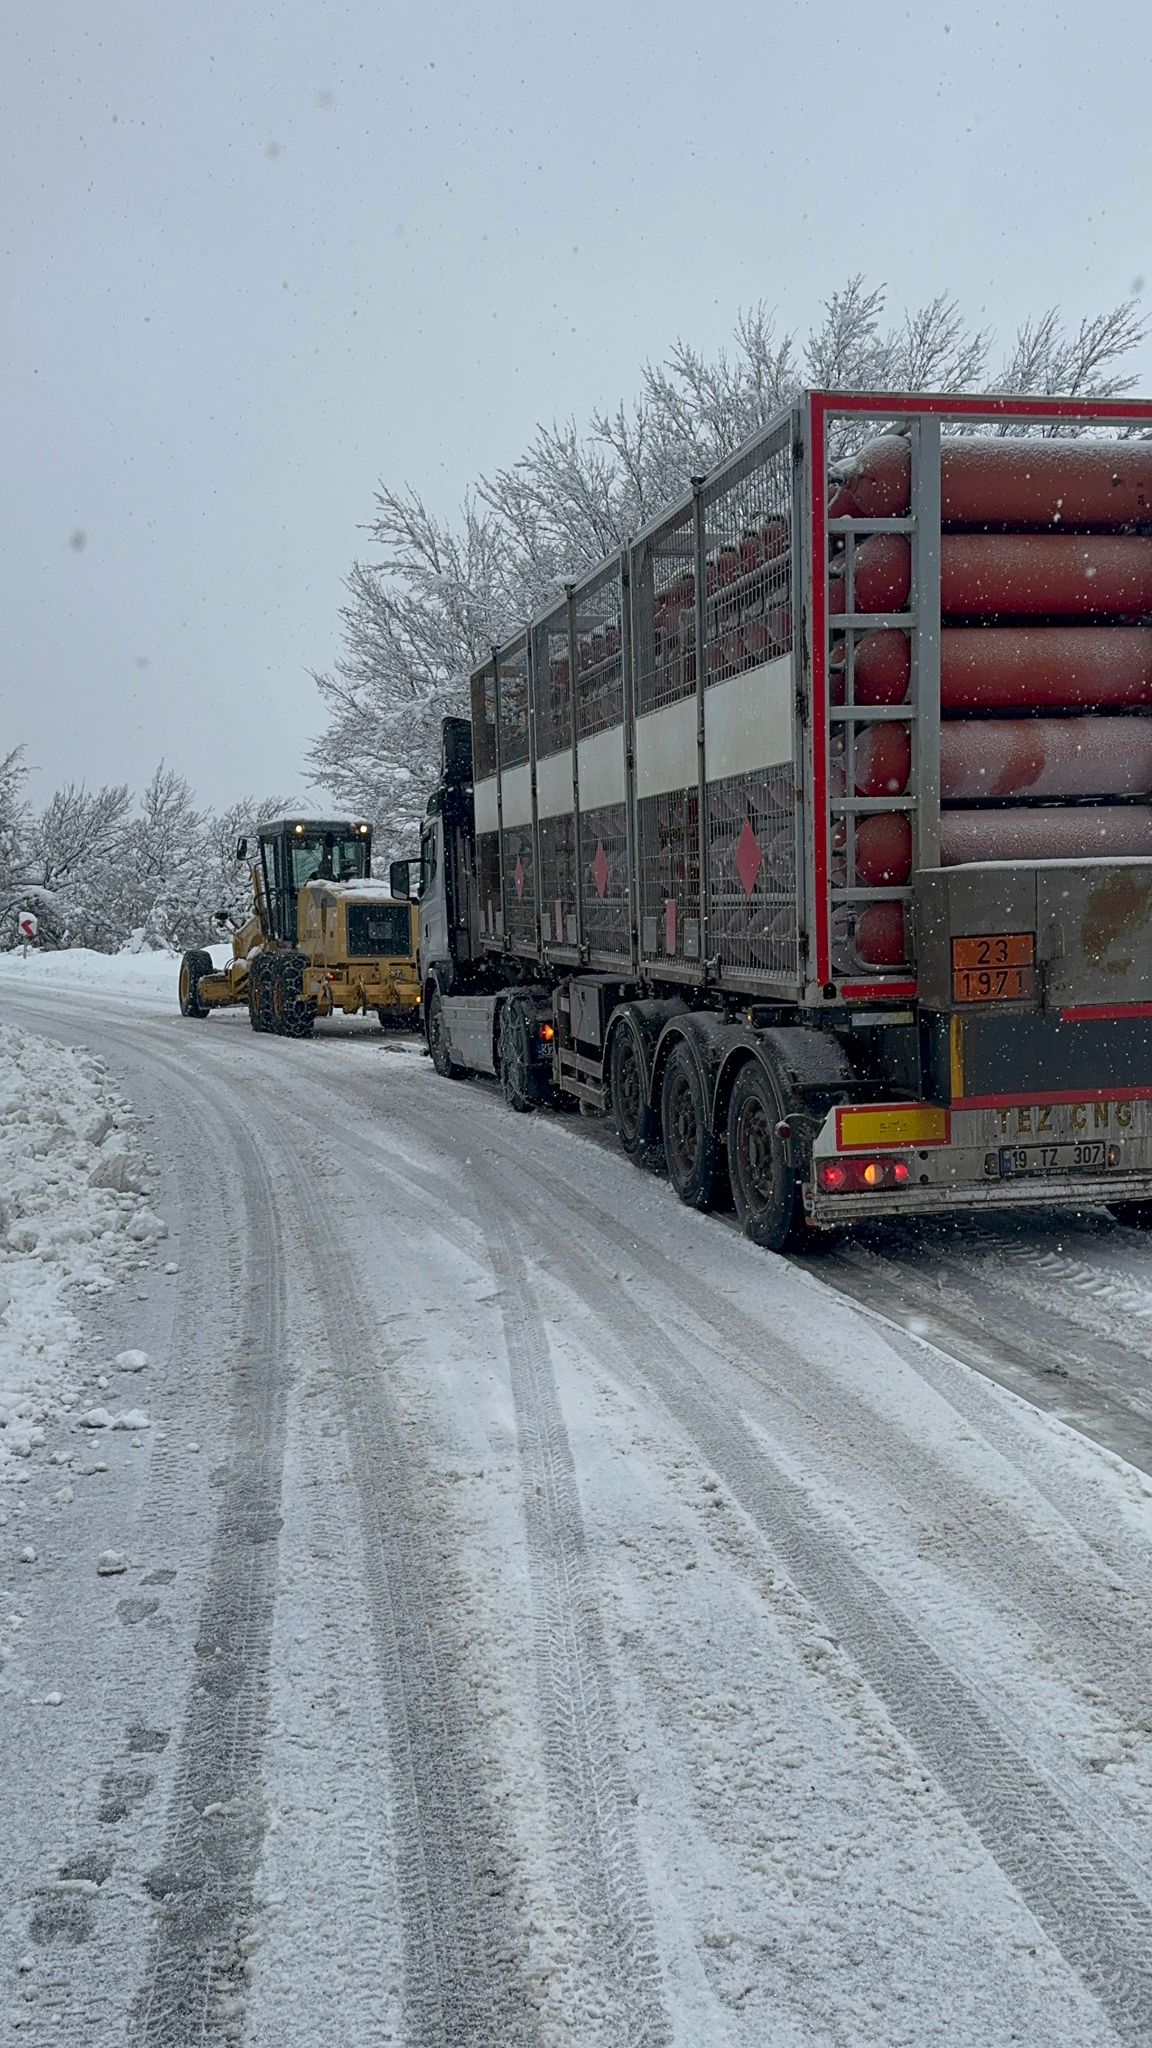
x,y
550,1621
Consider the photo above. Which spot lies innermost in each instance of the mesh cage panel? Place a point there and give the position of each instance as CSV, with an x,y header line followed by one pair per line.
x,y
513,663
748,570
668,828
599,655
488,883
604,855
558,880
664,614
484,722
520,889
752,873
552,683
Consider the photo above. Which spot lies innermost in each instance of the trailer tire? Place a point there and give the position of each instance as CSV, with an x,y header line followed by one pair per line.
x,y
436,1032
1133,1215
636,1122
259,1014
764,1184
693,1157
193,968
514,1066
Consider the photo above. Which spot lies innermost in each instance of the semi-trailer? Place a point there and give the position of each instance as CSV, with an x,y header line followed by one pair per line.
x,y
810,836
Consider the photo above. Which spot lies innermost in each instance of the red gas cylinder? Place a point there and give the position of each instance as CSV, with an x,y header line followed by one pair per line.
x,y
1012,668
883,759
1044,757
1036,483
880,939
1078,833
1009,575
884,839
884,849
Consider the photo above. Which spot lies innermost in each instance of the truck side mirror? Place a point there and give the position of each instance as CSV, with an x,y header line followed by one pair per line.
x,y
241,849
400,879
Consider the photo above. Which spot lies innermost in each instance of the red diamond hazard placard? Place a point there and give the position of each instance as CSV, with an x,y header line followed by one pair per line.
x,y
749,859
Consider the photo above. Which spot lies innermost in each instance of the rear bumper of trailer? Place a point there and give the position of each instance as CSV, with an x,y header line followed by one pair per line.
x,y
953,1198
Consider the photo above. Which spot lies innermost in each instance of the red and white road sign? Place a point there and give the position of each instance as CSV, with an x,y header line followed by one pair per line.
x,y
29,924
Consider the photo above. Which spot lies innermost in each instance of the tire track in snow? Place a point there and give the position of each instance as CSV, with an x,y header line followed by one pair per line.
x,y
592,1825
593,1830
1093,1915
464,1952
1005,1552
194,1983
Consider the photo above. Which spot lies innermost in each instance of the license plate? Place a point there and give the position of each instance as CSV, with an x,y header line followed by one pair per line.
x,y
1017,1159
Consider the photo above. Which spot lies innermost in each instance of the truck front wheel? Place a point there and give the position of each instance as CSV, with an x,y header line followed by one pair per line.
x,y
764,1186
695,1164
438,1045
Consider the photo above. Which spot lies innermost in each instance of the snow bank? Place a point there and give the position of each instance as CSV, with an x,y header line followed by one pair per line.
x,y
147,977
73,1219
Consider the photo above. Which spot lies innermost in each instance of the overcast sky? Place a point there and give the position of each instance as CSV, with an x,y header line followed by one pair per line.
x,y
257,257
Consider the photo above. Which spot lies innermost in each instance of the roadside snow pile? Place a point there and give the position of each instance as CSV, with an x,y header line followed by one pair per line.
x,y
73,1216
149,978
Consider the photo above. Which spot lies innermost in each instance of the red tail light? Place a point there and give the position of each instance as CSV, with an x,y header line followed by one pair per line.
x,y
862,1176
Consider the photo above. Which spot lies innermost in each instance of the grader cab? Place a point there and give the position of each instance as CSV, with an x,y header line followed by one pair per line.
x,y
323,936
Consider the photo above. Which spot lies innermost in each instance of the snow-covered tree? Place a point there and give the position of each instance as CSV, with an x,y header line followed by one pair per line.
x,y
74,846
438,593
102,869
12,822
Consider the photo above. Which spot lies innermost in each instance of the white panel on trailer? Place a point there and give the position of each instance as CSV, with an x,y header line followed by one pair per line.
x,y
554,785
516,790
747,725
666,749
484,805
748,721
601,763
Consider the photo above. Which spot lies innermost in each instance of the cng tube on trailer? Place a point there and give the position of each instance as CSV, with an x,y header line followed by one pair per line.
x,y
1011,668
1030,758
1031,483
1008,575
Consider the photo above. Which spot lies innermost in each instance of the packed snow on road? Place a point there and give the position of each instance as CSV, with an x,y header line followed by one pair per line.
x,y
453,1595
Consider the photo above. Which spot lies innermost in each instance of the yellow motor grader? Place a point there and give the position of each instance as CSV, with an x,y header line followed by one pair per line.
x,y
322,936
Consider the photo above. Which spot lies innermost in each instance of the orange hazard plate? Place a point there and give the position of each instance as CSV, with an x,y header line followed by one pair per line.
x,y
999,968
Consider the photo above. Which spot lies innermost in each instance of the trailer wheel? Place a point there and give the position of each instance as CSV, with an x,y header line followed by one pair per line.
x,y
764,1186
637,1125
1134,1215
259,1013
695,1164
193,968
437,1032
514,1059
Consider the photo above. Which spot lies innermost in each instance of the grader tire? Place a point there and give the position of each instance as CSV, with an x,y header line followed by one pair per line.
x,y
193,968
293,1016
259,1013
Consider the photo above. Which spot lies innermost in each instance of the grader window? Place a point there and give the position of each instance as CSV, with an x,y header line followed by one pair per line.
x,y
328,857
